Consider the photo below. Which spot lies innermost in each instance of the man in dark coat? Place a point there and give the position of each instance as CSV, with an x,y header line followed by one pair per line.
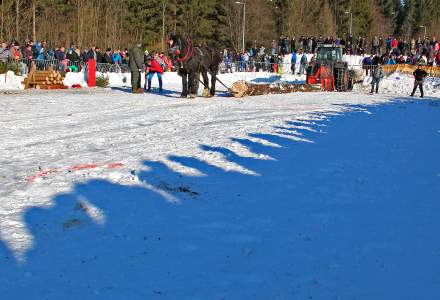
x,y
91,54
366,64
99,56
136,61
419,77
377,75
108,59
60,54
72,55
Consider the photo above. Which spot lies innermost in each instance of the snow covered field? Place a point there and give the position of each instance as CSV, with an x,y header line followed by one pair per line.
x,y
109,195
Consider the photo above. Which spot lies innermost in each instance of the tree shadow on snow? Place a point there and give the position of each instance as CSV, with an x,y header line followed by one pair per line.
x,y
121,89
154,91
338,208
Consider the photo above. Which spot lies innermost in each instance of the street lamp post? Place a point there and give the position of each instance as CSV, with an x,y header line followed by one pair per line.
x,y
164,4
351,20
423,26
244,21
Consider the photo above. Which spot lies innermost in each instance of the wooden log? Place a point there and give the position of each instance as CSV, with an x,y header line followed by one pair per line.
x,y
39,81
39,78
242,88
53,87
45,73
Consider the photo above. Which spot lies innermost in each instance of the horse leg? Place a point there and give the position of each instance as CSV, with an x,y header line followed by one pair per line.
x,y
213,82
196,83
192,85
206,84
184,86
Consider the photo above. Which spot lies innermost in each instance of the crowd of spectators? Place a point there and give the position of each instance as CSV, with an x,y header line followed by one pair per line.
x,y
390,50
72,58
41,51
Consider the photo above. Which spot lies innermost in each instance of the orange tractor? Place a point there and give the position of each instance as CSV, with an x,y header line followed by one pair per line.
x,y
330,70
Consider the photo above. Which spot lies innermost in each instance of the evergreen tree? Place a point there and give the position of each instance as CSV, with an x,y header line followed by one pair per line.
x,y
419,14
327,20
144,19
117,23
363,21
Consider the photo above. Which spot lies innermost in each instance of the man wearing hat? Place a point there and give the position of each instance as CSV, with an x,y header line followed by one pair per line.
x,y
377,76
419,77
136,61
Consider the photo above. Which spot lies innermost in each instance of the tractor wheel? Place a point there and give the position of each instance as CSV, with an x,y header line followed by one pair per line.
x,y
350,81
342,79
346,80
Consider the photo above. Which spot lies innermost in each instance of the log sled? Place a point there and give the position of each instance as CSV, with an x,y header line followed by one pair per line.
x,y
242,88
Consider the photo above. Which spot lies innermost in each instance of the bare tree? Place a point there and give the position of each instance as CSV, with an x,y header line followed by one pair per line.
x,y
34,29
3,19
17,18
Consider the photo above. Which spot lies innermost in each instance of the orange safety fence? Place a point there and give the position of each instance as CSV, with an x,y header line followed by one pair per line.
x,y
409,69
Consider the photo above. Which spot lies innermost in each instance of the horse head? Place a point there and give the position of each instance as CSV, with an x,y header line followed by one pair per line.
x,y
179,48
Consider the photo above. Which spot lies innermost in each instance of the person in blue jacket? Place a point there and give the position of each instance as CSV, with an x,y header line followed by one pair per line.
x,y
40,51
293,61
367,62
229,62
391,61
117,58
303,64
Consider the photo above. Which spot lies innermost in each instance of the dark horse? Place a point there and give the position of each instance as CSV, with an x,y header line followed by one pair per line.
x,y
190,61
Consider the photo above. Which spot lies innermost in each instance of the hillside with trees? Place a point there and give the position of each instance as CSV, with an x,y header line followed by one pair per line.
x,y
115,23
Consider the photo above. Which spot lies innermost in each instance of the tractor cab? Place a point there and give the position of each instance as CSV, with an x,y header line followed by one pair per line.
x,y
329,69
329,53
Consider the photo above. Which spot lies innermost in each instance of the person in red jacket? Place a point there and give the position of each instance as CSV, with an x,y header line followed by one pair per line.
x,y
153,67
394,43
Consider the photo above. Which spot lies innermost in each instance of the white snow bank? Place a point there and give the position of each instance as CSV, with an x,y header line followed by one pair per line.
x,y
402,84
10,81
74,78
395,83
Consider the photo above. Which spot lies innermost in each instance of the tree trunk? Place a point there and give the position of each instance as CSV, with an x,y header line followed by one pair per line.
x,y
163,24
106,37
78,22
34,29
17,16
3,20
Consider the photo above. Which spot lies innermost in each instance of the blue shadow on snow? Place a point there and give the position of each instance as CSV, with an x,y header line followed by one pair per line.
x,y
353,214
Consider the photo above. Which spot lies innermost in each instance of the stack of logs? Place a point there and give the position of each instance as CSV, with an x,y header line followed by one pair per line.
x,y
45,79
